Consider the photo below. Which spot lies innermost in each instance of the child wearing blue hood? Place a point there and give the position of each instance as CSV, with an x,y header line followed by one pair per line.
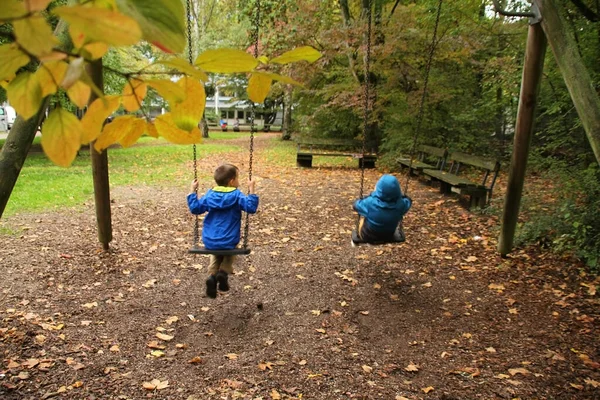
x,y
221,231
382,210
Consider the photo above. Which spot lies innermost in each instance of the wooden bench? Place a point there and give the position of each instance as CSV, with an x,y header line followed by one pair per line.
x,y
428,157
307,149
451,181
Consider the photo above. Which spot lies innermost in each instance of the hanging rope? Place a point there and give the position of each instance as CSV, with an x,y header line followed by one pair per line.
x,y
191,60
255,33
424,95
367,102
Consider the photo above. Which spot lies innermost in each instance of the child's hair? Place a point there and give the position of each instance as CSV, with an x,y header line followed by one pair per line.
x,y
225,173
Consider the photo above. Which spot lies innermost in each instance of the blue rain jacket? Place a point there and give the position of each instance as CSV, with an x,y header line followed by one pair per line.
x,y
384,208
221,228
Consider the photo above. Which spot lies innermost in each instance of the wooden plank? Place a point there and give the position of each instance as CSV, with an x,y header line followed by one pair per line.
x,y
452,179
434,151
475,161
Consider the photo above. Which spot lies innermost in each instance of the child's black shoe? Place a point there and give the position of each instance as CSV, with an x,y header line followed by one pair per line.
x,y
211,287
222,280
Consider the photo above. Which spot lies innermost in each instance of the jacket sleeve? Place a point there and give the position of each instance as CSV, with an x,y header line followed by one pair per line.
x,y
361,206
197,205
248,203
407,203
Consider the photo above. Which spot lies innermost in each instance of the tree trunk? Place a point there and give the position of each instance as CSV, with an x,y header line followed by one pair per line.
x,y
15,150
204,127
286,129
574,72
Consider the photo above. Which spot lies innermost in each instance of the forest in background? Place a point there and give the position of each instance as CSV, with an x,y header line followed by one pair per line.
x,y
471,100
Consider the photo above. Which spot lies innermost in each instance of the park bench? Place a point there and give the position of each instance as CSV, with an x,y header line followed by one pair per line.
x,y
450,181
428,157
308,148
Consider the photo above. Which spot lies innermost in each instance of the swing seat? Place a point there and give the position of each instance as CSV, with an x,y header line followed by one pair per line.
x,y
397,238
241,251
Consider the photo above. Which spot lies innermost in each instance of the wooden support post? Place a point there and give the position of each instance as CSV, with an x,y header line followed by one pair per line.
x,y
100,173
530,83
576,76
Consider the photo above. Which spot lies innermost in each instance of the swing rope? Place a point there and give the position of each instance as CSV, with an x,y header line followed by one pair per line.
x,y
423,95
367,105
252,117
191,60
255,33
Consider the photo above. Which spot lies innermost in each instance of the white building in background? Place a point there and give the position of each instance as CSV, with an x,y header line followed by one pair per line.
x,y
229,109
7,117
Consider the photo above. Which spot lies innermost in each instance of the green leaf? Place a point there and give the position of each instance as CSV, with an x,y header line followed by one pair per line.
x,y
305,53
184,67
258,87
101,25
12,59
61,135
226,61
25,94
162,22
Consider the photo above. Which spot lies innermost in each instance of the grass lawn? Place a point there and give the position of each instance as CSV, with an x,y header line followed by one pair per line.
x,y
43,185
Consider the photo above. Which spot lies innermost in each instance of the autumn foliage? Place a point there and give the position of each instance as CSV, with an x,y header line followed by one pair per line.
x,y
94,27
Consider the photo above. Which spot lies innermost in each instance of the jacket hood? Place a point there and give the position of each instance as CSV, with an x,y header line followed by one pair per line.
x,y
388,188
222,198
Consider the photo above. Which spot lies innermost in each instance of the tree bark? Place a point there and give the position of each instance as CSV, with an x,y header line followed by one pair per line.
x,y
530,83
100,172
286,129
574,72
15,150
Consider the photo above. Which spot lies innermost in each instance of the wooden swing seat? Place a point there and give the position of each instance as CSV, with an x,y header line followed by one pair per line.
x,y
241,251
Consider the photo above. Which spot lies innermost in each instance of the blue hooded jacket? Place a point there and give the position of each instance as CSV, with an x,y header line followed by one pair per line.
x,y
222,224
385,207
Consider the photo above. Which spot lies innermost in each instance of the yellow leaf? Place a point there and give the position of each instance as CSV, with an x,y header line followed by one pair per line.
x,y
77,36
277,77
35,35
61,137
112,132
151,130
188,113
226,61
496,286
164,337
232,356
12,9
74,73
169,90
185,67
427,389
134,93
263,59
50,75
162,22
258,87
79,93
305,53
134,133
411,368
95,50
165,126
96,115
101,25
367,369
275,395
25,94
12,58
515,371
196,360
36,5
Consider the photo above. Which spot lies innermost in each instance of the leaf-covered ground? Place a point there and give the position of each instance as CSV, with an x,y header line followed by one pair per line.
x,y
308,316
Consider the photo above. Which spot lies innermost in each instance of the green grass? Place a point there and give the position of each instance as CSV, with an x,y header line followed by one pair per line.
x,y
45,186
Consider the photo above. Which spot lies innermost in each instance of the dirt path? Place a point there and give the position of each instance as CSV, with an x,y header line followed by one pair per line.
x,y
308,316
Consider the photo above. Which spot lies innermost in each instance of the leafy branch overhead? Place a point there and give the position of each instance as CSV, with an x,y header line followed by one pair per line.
x,y
94,26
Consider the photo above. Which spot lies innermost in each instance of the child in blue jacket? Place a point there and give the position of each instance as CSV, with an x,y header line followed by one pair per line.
x,y
382,210
221,231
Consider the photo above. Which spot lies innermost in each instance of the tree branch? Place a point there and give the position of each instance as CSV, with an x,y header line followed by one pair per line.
x,y
587,12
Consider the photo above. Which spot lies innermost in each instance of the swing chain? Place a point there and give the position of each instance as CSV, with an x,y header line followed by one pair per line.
x,y
252,118
191,60
424,94
367,102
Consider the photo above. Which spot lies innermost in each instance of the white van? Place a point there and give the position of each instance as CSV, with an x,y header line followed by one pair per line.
x,y
11,115
3,120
